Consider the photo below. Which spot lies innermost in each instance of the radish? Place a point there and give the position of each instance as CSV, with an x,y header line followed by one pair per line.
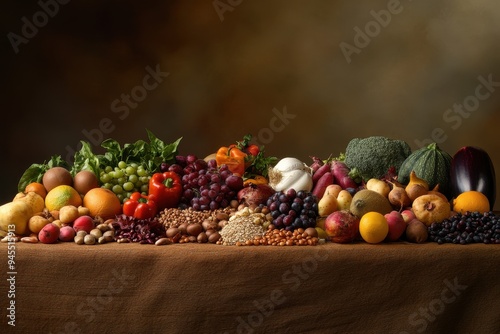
x,y
341,173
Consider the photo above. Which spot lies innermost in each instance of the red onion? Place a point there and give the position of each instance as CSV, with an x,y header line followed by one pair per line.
x,y
255,194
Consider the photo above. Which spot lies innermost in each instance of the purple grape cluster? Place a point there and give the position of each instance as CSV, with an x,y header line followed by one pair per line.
x,y
467,228
206,186
293,209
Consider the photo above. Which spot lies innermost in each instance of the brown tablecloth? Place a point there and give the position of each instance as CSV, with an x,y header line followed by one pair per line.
x,y
205,288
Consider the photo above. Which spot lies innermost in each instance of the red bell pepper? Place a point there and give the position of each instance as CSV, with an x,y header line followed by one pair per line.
x,y
140,206
166,189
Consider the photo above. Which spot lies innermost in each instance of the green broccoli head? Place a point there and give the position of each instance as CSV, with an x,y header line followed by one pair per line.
x,y
372,157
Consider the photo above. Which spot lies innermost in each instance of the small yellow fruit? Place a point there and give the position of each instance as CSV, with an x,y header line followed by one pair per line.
x,y
472,201
373,227
61,196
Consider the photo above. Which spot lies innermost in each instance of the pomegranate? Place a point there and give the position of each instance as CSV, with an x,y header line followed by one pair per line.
x,y
342,226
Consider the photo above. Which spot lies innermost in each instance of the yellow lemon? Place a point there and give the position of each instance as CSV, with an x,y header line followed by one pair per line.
x,y
373,227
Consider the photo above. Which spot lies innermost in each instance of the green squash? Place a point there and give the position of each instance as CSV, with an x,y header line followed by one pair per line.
x,y
431,164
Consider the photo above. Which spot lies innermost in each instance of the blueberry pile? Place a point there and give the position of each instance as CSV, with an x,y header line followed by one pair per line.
x,y
467,228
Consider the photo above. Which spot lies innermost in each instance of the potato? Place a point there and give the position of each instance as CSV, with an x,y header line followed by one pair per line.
x,y
416,231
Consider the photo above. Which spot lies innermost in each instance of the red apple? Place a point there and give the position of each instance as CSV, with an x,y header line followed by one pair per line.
x,y
408,215
397,225
84,222
341,226
49,233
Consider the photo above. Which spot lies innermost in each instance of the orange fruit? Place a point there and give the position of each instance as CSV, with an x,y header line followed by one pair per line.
x,y
472,201
102,202
62,195
36,187
373,227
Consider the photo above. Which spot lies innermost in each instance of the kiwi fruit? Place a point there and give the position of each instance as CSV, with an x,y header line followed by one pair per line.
x,y
56,176
366,200
85,180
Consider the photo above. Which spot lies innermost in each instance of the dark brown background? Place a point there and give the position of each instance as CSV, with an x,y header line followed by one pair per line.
x,y
228,75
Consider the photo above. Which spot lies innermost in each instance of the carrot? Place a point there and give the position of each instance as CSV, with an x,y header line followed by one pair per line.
x,y
324,181
341,173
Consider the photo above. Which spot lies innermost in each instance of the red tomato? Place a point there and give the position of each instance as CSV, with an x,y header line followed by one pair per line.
x,y
253,150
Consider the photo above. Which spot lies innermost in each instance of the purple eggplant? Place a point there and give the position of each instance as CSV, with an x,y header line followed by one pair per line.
x,y
472,169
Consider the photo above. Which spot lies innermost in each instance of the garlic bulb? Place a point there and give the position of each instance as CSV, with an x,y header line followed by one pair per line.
x,y
290,173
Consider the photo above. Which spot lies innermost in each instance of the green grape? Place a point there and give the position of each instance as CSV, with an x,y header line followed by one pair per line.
x,y
117,189
138,184
128,186
107,186
141,171
121,180
121,197
144,188
105,178
118,174
122,164
130,170
133,178
108,169
134,165
144,179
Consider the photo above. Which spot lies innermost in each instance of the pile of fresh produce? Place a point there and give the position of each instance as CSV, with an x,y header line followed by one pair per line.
x,y
378,190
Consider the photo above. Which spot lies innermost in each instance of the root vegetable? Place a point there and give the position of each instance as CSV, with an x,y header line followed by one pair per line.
x,y
68,214
321,184
320,172
379,186
398,197
340,172
416,231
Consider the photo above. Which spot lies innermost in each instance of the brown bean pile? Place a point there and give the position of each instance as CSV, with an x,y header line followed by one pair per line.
x,y
282,237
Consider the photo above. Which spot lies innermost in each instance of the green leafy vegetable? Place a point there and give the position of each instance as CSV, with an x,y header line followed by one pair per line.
x,y
149,154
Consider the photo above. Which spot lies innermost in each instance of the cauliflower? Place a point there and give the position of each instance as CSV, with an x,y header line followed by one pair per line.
x,y
375,156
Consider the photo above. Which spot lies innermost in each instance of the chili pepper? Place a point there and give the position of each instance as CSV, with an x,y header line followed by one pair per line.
x,y
140,206
166,189
233,157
